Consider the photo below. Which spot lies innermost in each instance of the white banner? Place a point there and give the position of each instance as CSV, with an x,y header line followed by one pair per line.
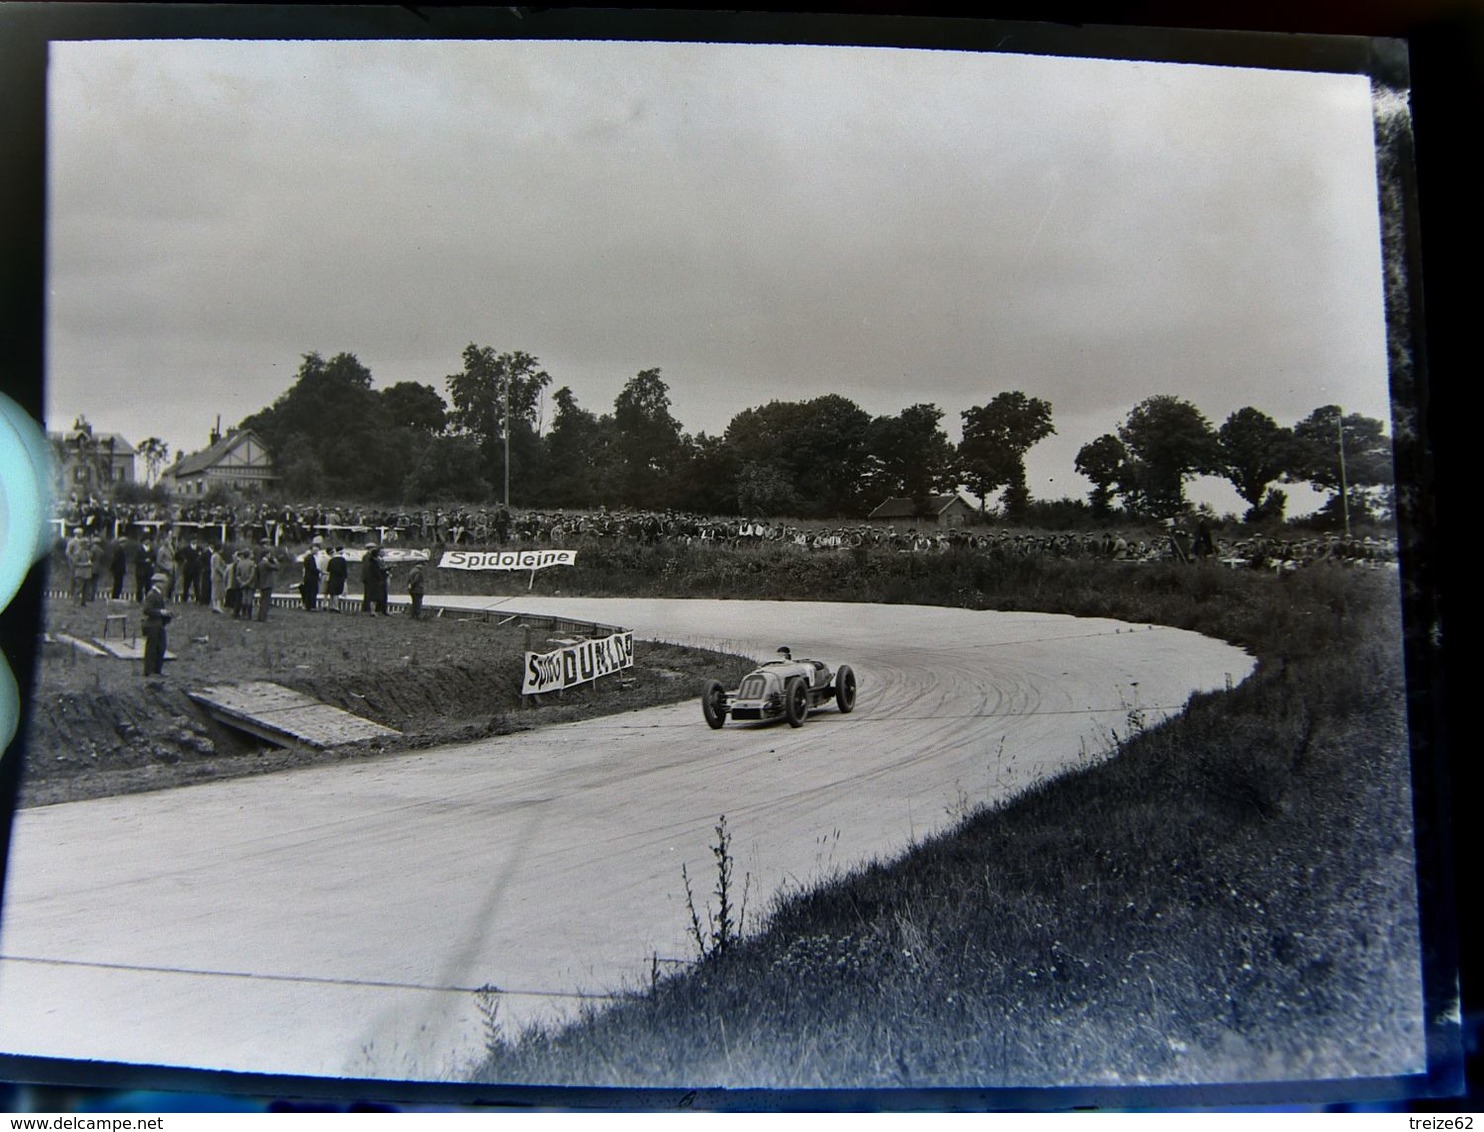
x,y
391,556
506,559
577,664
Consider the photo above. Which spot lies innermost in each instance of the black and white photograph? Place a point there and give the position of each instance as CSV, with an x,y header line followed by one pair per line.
x,y
688,564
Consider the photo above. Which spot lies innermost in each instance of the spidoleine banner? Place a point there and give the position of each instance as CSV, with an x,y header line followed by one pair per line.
x,y
581,663
506,559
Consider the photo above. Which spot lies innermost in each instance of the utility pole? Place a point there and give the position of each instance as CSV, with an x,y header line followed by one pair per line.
x,y
507,440
1344,487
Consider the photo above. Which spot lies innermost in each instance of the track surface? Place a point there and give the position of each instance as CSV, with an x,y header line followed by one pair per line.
x,y
337,921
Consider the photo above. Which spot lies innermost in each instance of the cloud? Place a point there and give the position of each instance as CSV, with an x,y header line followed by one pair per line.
x,y
759,221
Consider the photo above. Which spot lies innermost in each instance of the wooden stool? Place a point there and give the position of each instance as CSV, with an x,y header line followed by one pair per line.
x,y
123,623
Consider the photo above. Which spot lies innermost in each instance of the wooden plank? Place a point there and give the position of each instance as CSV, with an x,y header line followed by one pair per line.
x,y
286,717
125,650
257,697
80,645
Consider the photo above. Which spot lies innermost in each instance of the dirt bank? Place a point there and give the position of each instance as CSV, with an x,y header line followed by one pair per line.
x,y
96,727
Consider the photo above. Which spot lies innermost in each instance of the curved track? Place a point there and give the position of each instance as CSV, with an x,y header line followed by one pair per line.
x,y
337,921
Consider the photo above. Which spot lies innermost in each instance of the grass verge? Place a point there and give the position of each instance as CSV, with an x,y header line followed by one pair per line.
x,y
1233,898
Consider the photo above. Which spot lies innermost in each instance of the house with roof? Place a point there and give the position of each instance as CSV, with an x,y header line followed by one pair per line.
x,y
89,462
951,510
239,461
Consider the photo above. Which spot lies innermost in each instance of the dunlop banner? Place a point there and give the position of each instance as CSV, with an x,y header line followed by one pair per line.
x,y
577,664
506,559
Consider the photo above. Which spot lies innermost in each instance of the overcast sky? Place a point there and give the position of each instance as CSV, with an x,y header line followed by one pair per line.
x,y
760,222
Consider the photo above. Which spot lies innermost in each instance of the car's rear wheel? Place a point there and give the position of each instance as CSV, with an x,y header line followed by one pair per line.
x,y
845,689
714,704
795,701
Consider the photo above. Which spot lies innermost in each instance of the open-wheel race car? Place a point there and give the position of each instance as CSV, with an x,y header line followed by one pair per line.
x,y
781,689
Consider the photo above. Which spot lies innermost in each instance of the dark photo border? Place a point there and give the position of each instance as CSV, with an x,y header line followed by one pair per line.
x,y
1435,49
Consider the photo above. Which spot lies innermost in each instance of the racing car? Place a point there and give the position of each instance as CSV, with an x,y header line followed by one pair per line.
x,y
784,688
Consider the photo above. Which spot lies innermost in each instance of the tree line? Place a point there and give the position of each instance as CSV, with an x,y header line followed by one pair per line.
x,y
333,436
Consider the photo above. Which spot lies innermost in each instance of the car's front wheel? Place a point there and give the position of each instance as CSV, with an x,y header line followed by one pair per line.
x,y
845,689
795,701
714,704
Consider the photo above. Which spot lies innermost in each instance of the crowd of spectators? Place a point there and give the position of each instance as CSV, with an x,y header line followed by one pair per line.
x,y
134,539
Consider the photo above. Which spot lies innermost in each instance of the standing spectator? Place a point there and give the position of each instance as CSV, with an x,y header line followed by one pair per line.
x,y
165,564
144,566
95,566
217,579
415,588
118,566
1205,545
243,577
309,587
80,562
203,574
335,574
373,581
154,619
322,564
189,564
267,578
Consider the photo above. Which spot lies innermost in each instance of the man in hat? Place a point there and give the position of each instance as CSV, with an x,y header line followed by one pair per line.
x,y
322,564
118,565
219,567
188,563
267,577
309,587
416,587
144,567
165,563
154,619
336,571
80,559
240,580
373,581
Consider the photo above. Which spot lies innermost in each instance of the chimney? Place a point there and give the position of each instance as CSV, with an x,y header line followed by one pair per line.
x,y
216,433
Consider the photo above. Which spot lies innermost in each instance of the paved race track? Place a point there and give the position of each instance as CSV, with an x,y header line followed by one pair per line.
x,y
336,921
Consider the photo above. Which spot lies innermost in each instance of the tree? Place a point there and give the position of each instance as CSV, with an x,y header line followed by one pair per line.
x,y
573,454
480,393
331,413
830,455
910,455
1326,437
1168,441
410,404
996,438
710,478
764,489
818,449
301,473
647,441
447,467
1346,455
1271,509
1255,450
155,452
1104,461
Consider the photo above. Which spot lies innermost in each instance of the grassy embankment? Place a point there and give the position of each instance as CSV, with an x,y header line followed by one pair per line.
x,y
1233,898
